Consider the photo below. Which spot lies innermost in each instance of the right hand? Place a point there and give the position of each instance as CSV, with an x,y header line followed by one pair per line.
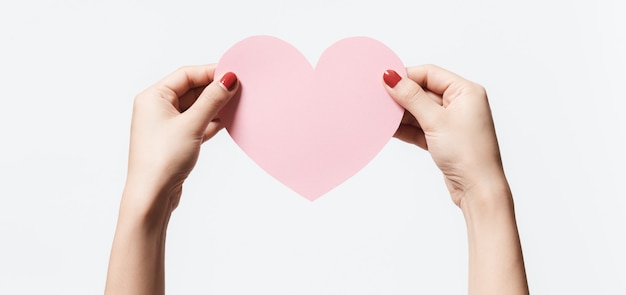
x,y
449,117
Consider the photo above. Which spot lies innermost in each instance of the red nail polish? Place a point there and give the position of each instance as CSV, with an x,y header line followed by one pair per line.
x,y
229,81
391,78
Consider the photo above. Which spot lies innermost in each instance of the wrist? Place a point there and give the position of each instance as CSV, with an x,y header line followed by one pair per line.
x,y
487,200
148,205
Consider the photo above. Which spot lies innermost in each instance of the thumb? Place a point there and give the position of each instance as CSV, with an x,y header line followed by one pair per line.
x,y
212,99
412,97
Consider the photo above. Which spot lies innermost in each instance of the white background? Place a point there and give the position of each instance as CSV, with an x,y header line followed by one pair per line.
x,y
555,73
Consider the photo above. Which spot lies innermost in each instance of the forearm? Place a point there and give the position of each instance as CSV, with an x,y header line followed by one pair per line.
x,y
137,258
496,265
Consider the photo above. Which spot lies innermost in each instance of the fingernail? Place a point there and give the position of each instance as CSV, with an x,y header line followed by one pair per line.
x,y
229,81
391,78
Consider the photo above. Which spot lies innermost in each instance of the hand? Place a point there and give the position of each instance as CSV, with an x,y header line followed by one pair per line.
x,y
170,121
450,117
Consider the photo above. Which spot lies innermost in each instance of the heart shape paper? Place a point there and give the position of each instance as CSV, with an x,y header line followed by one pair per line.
x,y
311,129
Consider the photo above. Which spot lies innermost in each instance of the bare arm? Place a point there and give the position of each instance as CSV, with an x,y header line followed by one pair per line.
x,y
450,117
496,265
170,121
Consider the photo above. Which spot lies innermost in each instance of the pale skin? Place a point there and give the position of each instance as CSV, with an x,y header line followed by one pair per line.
x,y
450,118
445,114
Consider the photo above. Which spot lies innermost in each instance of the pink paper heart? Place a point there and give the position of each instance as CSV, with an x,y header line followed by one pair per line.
x,y
311,129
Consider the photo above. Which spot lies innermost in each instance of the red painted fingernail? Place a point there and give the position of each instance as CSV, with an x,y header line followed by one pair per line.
x,y
229,81
391,78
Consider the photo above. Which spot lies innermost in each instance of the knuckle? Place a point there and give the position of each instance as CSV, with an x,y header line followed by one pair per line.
x,y
183,69
140,100
148,96
481,89
478,89
429,66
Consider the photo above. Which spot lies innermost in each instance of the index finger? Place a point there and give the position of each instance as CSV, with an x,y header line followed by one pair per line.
x,y
186,78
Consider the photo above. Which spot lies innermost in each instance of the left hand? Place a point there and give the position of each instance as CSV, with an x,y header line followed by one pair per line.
x,y
170,121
